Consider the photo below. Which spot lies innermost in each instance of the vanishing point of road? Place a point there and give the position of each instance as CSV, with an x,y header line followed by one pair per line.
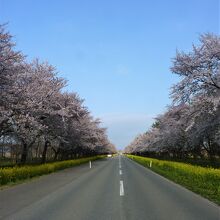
x,y
113,189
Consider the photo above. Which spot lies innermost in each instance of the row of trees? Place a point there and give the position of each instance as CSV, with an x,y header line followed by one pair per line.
x,y
37,116
191,125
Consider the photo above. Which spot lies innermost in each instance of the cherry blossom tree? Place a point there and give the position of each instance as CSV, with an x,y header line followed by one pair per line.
x,y
199,70
34,109
191,126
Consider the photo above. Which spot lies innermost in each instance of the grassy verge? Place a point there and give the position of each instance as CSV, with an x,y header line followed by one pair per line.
x,y
18,174
203,162
204,181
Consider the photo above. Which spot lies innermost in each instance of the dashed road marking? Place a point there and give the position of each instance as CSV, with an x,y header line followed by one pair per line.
x,y
121,188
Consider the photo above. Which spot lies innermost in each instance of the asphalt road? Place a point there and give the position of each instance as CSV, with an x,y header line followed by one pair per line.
x,y
115,188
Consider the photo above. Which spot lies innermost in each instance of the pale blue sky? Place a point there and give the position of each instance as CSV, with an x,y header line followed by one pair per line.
x,y
116,54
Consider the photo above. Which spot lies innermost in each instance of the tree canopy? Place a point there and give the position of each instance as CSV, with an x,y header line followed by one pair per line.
x,y
191,125
38,116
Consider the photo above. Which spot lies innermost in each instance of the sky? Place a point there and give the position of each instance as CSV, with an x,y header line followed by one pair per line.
x,y
116,54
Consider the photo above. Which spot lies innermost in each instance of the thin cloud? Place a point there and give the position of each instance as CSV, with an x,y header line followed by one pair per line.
x,y
122,70
122,128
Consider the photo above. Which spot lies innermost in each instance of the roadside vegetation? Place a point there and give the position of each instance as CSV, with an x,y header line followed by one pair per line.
x,y
204,181
39,120
19,173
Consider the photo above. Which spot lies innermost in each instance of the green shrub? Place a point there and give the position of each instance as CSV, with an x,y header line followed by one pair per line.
x,y
204,181
8,175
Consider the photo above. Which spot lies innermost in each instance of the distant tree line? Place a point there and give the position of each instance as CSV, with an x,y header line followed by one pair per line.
x,y
38,119
191,125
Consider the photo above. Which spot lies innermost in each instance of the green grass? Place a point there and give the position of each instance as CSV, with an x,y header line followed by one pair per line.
x,y
204,181
18,174
6,164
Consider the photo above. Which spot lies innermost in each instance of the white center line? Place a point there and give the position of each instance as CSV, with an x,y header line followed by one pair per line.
x,y
120,172
121,188
119,162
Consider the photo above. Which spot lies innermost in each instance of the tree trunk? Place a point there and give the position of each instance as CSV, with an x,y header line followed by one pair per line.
x,y
44,154
56,152
24,153
25,149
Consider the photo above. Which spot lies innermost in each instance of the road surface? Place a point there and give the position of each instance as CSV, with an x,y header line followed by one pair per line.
x,y
114,188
